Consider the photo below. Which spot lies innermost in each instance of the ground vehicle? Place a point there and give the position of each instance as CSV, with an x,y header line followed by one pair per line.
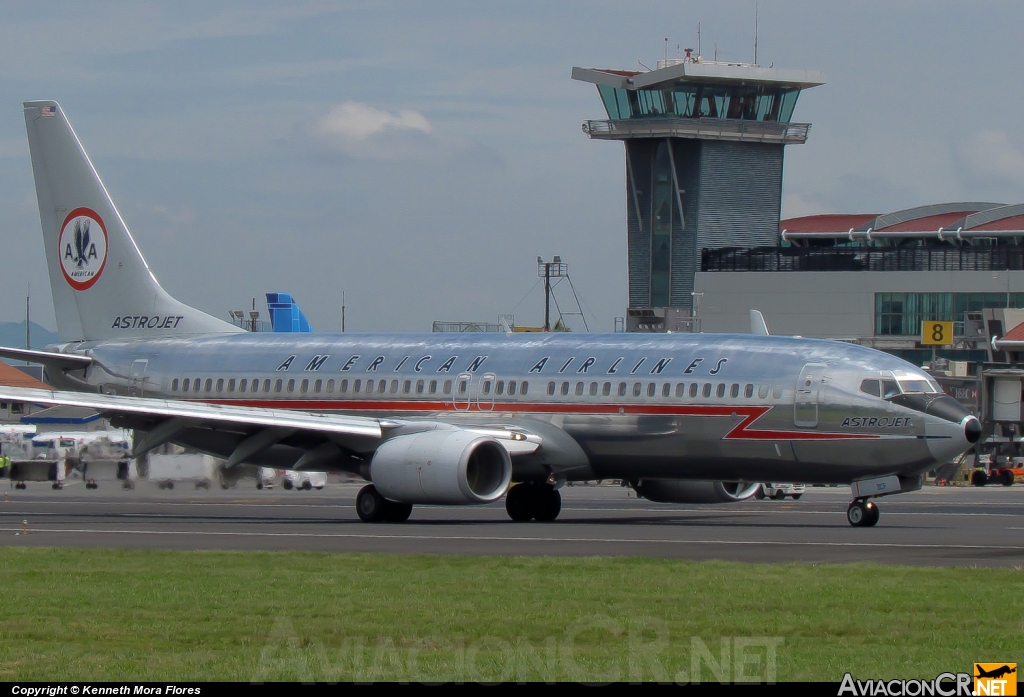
x,y
994,474
304,480
778,491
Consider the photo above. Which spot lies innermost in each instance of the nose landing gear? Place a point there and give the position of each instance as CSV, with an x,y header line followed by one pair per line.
x,y
862,513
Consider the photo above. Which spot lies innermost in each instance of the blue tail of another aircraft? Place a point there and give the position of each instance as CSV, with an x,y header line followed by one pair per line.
x,y
285,315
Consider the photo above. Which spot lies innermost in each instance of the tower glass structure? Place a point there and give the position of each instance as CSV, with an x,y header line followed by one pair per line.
x,y
704,152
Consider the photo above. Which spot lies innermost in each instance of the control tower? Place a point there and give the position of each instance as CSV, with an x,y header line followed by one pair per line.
x,y
704,150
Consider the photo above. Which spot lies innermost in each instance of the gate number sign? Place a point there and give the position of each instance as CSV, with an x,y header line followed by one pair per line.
x,y
936,333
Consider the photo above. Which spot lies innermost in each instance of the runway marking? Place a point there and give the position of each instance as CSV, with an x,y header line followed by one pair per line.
x,y
485,538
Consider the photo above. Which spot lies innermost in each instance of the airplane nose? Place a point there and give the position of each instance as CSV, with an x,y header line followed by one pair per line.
x,y
972,430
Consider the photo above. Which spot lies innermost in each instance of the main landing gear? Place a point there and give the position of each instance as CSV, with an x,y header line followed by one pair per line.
x,y
533,501
374,508
862,513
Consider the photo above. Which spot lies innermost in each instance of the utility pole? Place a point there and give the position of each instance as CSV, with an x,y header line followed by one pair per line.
x,y
28,319
547,270
342,312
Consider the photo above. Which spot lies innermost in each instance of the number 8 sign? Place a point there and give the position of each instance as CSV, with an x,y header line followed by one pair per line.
x,y
936,333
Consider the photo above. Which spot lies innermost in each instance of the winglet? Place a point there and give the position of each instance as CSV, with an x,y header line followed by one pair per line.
x,y
758,327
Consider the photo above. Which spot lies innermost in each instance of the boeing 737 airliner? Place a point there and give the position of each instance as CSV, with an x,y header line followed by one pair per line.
x,y
456,419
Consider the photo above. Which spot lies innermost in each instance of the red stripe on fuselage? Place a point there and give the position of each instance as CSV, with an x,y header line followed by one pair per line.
x,y
742,431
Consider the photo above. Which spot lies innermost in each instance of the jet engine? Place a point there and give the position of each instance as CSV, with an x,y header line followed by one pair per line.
x,y
679,491
449,466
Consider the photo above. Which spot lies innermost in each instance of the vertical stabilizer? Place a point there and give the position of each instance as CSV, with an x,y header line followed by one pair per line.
x,y
102,287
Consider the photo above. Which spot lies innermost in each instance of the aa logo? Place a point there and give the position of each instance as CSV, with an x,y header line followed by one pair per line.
x,y
83,248
995,678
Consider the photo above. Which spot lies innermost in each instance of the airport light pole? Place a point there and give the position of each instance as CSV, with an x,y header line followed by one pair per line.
x,y
548,270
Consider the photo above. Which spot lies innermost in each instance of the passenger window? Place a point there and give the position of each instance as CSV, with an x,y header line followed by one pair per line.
x,y
243,384
407,387
231,385
394,387
462,386
636,389
174,386
433,386
382,386
447,387
278,385
666,390
356,384
330,385
419,387
197,385
622,389
606,389
209,384
762,391
565,388
680,389
651,388
551,388
693,389
748,391
890,389
220,384
734,391
707,389
318,385
579,389
486,389
720,392
524,387
777,392
291,385
343,386
304,386
511,387
499,387
593,389
870,387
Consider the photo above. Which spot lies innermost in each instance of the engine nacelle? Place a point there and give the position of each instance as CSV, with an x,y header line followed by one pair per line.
x,y
448,466
682,491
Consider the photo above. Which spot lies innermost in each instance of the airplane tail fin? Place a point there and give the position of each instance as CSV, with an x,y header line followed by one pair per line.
x,y
102,287
285,315
758,326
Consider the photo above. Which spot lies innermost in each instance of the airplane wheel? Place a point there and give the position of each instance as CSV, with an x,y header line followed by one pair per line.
x,y
759,494
1007,478
518,503
397,512
857,513
779,495
370,505
979,478
873,515
548,504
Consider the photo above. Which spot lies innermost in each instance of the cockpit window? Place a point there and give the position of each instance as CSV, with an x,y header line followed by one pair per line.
x,y
917,385
870,387
890,388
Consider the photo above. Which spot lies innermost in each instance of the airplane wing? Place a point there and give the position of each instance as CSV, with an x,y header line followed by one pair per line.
x,y
59,360
281,438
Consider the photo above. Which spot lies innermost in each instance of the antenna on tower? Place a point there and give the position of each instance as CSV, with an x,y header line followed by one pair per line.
x,y
755,33
698,39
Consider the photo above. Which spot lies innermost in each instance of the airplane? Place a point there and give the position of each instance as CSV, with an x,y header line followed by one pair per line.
x,y
995,673
463,419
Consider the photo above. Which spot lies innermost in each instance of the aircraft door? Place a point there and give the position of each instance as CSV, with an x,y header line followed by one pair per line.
x,y
805,399
137,378
461,396
485,396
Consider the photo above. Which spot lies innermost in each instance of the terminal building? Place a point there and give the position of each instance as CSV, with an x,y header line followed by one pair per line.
x,y
704,151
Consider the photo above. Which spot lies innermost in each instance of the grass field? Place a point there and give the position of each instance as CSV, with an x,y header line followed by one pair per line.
x,y
158,615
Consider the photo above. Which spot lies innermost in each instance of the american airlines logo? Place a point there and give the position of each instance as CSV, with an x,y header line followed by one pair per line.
x,y
83,248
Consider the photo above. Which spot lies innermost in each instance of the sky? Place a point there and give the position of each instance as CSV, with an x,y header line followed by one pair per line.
x,y
419,157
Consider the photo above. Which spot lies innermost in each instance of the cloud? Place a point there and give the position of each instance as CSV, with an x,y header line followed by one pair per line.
x,y
363,131
992,156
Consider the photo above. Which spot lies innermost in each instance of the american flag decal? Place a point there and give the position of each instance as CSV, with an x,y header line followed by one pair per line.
x,y
48,111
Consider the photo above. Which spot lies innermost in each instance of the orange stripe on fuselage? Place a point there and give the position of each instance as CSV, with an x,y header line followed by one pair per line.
x,y
742,431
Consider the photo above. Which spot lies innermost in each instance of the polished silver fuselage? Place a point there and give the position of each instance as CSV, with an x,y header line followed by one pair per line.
x,y
692,406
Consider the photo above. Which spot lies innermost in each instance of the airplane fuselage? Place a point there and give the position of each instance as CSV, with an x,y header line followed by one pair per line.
x,y
725,407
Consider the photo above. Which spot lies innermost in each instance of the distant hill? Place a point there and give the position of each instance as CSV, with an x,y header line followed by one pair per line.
x,y
12,335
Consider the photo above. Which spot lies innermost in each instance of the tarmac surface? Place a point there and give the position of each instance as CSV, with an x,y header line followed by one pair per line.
x,y
937,526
